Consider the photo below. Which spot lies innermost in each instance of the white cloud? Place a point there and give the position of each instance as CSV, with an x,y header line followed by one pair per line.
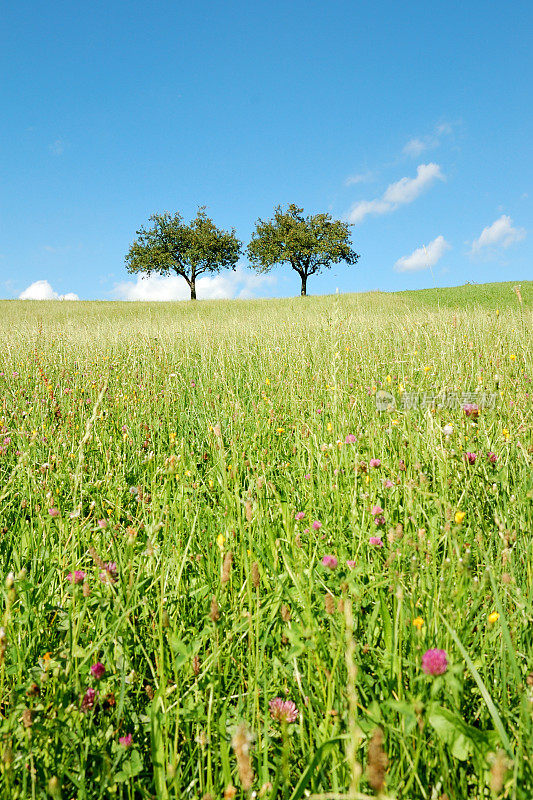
x,y
238,284
360,210
423,257
418,145
362,177
41,290
500,234
403,191
408,189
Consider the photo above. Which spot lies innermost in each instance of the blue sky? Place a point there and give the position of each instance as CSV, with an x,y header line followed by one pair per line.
x,y
414,120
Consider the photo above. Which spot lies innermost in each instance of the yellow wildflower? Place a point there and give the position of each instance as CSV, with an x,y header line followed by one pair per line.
x,y
418,622
220,540
459,516
494,617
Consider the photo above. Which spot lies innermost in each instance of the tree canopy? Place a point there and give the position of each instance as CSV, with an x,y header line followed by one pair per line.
x,y
308,243
189,250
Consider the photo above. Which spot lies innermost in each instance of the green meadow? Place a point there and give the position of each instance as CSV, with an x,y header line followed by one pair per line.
x,y
268,548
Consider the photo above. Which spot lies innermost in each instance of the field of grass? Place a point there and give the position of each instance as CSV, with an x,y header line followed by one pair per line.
x,y
202,509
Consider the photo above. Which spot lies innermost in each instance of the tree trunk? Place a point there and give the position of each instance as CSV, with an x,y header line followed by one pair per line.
x,y
303,293
193,288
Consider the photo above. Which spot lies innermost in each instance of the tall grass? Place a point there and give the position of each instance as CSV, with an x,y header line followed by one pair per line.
x,y
165,450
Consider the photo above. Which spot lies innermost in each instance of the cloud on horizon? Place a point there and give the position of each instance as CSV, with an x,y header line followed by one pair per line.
x,y
397,194
423,257
239,284
41,290
500,234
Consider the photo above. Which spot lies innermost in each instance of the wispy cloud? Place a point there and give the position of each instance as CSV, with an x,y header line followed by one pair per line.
x,y
41,290
57,147
423,257
362,177
418,145
403,191
501,233
415,147
239,284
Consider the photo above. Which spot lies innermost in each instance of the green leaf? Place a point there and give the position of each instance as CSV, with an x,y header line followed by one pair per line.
x,y
462,739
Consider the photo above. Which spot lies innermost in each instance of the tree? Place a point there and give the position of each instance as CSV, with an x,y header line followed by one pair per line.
x,y
309,244
171,245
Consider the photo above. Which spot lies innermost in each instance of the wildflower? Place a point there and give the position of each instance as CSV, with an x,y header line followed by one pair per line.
x,y
329,603
459,516
375,462
447,430
316,525
241,743
418,623
376,510
226,568
351,564
102,523
214,611
299,515
54,512
471,410
283,710
505,434
388,484
256,577
109,572
512,357
98,670
220,540
492,457
494,617
434,662
329,562
126,740
89,699
471,458
307,477
379,520
351,438
76,577
376,541
377,762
